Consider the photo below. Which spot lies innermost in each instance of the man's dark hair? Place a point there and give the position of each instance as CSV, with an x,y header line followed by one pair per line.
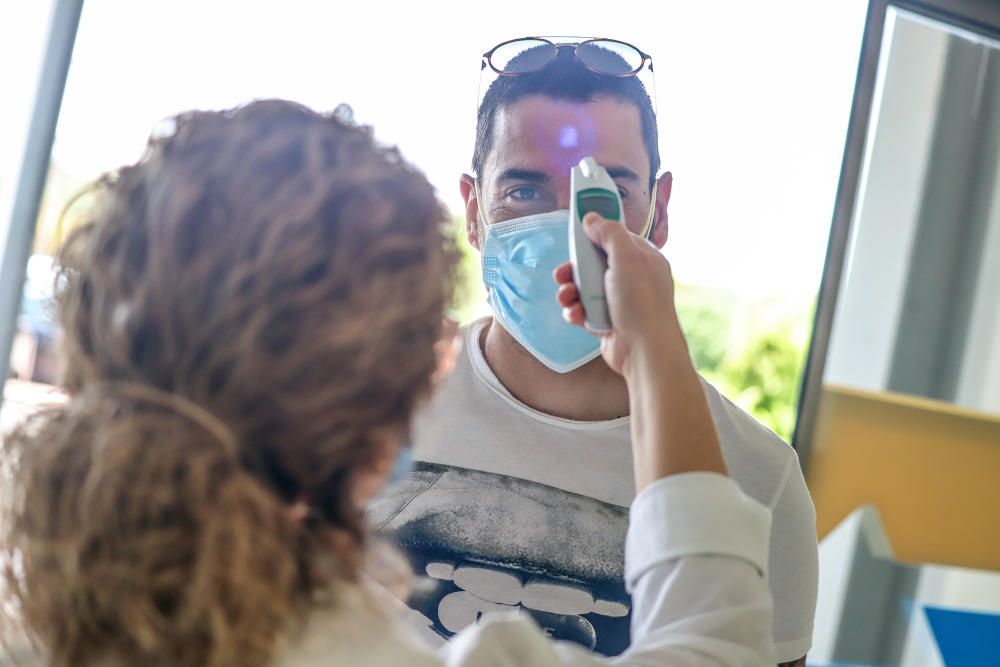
x,y
564,78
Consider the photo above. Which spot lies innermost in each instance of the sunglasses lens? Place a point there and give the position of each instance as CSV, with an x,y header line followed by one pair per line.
x,y
522,56
610,57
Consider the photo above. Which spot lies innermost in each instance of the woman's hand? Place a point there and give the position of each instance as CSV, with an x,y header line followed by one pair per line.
x,y
640,296
672,429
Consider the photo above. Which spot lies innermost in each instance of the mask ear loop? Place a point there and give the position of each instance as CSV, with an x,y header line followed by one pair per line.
x,y
647,230
482,221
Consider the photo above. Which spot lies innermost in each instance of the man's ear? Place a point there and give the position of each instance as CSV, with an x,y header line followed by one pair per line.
x,y
467,186
661,228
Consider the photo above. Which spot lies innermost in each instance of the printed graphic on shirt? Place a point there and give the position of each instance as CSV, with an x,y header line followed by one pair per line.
x,y
485,543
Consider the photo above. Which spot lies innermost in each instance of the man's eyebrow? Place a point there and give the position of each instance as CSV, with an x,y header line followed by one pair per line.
x,y
529,175
623,173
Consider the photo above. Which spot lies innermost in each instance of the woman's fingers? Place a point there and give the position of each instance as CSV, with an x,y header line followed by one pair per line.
x,y
567,294
611,236
563,273
574,314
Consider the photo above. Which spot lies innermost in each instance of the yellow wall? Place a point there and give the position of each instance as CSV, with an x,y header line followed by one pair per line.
x,y
931,469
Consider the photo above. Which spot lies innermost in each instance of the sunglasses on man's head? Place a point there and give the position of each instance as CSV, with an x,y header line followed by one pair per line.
x,y
526,55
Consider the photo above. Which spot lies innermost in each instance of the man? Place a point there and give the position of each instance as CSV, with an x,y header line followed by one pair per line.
x,y
520,496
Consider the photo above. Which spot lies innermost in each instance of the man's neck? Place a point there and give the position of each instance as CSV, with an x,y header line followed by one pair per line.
x,y
592,392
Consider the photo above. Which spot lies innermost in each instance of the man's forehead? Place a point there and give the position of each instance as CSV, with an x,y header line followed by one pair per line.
x,y
551,135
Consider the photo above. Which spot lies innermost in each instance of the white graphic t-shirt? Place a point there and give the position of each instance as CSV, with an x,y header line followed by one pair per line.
x,y
510,508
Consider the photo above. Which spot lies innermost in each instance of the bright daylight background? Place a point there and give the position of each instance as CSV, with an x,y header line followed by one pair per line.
x,y
753,102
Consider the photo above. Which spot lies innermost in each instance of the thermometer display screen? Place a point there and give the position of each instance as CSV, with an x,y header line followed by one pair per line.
x,y
604,204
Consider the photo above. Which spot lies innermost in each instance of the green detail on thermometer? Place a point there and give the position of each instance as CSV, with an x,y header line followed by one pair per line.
x,y
600,201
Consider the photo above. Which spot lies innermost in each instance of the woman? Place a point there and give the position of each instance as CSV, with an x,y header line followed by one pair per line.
x,y
250,318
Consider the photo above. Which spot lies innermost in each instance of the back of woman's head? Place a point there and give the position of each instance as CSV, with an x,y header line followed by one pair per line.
x,y
249,311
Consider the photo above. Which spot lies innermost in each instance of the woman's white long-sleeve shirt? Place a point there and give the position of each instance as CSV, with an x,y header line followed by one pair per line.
x,y
695,565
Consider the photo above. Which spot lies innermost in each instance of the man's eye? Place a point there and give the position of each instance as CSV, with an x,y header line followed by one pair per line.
x,y
523,194
622,192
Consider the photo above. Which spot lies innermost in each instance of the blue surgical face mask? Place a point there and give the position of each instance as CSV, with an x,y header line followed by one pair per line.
x,y
519,257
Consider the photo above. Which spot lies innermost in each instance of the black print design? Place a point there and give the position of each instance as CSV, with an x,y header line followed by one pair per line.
x,y
488,543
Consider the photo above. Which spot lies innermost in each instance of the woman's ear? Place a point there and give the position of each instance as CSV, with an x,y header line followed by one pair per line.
x,y
467,186
446,350
370,477
661,227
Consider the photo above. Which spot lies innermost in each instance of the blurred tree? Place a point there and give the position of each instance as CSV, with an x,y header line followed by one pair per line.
x,y
470,294
753,350
764,377
705,315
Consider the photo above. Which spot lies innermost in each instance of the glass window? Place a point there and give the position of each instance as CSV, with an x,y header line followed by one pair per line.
x,y
752,136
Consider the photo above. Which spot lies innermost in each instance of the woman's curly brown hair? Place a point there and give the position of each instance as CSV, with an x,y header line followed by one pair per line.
x,y
286,276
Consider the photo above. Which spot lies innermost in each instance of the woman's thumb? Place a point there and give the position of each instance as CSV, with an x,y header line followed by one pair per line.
x,y
606,234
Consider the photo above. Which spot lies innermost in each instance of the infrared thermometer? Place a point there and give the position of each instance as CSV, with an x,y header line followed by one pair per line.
x,y
591,189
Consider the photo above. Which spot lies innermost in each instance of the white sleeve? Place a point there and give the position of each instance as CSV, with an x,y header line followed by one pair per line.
x,y
794,566
695,563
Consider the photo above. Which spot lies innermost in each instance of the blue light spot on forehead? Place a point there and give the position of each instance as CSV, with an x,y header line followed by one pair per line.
x,y
569,137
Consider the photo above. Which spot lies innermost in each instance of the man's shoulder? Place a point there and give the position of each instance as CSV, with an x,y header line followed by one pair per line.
x,y
731,417
758,459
